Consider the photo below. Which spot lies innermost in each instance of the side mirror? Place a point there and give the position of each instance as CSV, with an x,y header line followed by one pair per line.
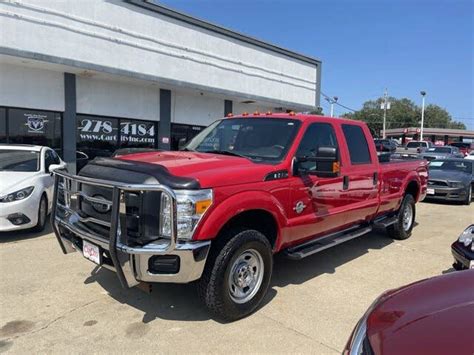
x,y
181,143
53,167
324,164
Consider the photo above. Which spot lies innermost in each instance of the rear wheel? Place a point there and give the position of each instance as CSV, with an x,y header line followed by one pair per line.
x,y
42,215
406,219
237,274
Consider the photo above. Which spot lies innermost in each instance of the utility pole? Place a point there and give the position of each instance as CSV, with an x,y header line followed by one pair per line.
x,y
385,104
423,94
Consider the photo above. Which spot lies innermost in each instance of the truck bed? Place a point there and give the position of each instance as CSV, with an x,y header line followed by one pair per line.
x,y
394,173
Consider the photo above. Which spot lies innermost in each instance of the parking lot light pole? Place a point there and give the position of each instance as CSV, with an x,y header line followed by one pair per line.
x,y
423,94
332,101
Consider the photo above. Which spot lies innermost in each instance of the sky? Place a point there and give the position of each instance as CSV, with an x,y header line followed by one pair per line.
x,y
366,45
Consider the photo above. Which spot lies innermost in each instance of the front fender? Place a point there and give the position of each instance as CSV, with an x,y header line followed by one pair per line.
x,y
226,209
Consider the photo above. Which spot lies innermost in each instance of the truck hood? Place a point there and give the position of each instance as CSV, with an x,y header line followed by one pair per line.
x,y
11,181
420,317
210,170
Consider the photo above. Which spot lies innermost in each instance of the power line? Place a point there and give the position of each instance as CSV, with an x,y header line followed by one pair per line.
x,y
336,102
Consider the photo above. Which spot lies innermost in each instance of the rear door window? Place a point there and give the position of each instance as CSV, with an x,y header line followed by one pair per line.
x,y
357,144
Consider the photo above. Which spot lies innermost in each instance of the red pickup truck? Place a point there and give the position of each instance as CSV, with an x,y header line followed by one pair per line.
x,y
243,189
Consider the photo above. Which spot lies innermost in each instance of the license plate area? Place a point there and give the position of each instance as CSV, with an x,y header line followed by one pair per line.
x,y
430,191
91,252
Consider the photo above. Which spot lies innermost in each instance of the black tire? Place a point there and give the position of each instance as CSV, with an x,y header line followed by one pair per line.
x,y
214,287
401,229
469,196
42,215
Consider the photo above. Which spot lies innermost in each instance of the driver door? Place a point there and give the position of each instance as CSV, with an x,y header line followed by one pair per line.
x,y
316,207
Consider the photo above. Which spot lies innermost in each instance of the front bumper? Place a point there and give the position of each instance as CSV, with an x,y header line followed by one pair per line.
x,y
131,263
463,256
447,193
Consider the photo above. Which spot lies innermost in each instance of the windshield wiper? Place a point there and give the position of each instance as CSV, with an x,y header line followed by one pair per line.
x,y
226,152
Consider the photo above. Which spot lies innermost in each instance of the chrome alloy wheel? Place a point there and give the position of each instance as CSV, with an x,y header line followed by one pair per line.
x,y
246,276
407,217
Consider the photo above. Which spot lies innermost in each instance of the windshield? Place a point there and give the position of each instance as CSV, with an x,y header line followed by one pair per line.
x,y
440,150
19,160
454,165
260,139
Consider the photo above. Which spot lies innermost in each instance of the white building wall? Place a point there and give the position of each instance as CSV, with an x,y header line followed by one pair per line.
x,y
21,86
195,109
238,108
117,99
124,39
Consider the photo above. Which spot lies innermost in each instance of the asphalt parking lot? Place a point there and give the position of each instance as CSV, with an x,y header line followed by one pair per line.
x,y
52,303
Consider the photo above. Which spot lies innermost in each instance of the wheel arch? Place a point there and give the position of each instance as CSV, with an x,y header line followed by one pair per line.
x,y
254,209
413,188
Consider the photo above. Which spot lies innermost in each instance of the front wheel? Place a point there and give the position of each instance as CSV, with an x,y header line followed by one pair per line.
x,y
237,274
42,215
469,196
403,227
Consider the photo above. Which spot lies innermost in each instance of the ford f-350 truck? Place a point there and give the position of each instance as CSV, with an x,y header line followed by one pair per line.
x,y
243,189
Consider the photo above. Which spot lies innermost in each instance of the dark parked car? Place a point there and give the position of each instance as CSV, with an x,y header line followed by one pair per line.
x,y
464,147
433,316
451,179
385,145
463,250
446,152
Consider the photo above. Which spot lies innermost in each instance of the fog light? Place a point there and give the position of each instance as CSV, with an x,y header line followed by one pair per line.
x,y
18,219
163,264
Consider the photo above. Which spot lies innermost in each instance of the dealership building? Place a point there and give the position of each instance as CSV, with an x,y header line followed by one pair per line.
x,y
90,77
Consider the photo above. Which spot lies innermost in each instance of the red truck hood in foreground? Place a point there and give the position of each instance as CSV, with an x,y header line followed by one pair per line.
x,y
434,316
211,170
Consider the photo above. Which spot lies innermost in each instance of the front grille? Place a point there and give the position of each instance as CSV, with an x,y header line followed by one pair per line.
x,y
437,183
139,210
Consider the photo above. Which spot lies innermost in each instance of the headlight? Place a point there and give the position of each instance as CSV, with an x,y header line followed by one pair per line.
x,y
191,206
18,195
467,237
456,184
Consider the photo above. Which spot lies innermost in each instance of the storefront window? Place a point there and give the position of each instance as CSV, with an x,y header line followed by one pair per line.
x,y
97,136
183,133
3,125
137,134
34,127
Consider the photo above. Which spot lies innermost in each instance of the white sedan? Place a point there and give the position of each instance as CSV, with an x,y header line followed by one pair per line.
x,y
26,185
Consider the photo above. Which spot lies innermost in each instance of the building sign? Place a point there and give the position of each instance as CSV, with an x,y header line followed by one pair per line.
x,y
36,122
99,130
105,130
135,132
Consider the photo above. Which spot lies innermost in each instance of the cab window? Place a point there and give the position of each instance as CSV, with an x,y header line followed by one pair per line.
x,y
317,135
357,144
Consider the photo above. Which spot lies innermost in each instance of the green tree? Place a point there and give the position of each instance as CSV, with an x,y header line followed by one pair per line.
x,y
403,113
438,117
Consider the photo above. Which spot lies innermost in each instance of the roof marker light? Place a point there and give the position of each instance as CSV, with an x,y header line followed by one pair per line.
x,y
269,113
230,115
245,114
292,113
256,113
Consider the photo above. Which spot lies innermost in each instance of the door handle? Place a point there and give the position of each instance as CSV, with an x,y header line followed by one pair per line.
x,y
345,182
376,178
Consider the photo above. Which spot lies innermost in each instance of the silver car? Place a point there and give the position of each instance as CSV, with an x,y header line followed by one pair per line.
x,y
446,152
